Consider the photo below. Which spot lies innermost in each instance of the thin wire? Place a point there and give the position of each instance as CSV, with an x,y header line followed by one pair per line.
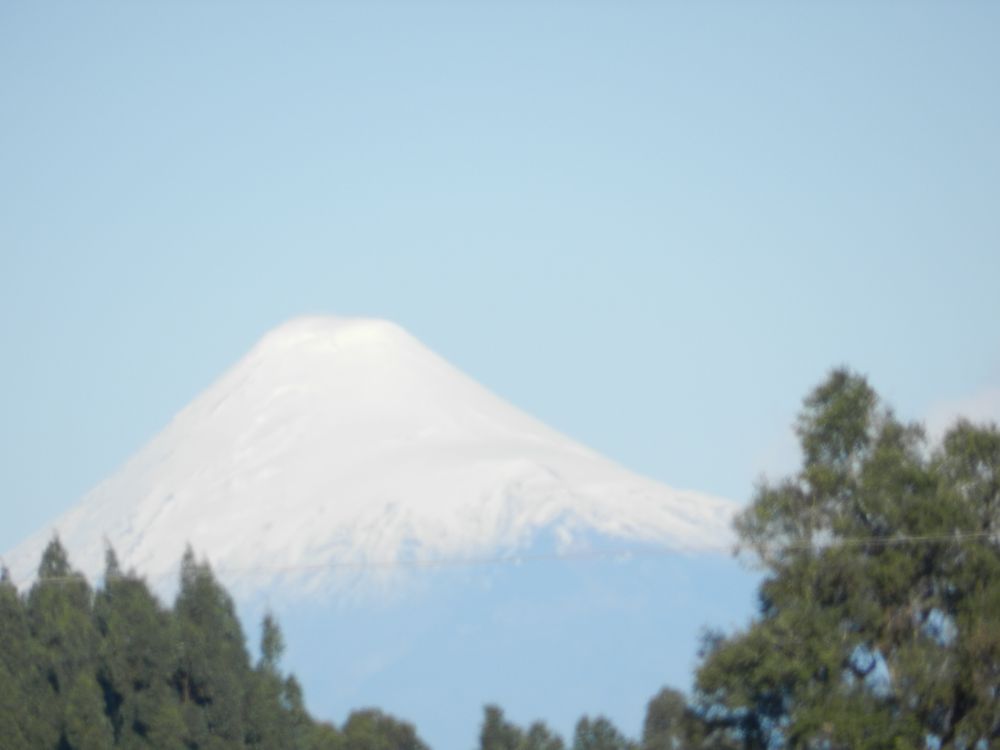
x,y
620,553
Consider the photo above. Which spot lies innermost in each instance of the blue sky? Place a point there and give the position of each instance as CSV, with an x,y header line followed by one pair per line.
x,y
654,226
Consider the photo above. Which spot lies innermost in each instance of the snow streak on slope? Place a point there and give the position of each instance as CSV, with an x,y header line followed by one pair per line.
x,y
346,441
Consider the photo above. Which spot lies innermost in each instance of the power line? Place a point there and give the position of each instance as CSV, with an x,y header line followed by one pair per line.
x,y
620,553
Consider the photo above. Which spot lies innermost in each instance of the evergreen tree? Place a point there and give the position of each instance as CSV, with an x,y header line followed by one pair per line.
x,y
325,736
22,688
61,621
373,730
13,705
272,644
214,667
138,654
300,725
540,737
274,713
497,733
599,734
86,671
86,725
669,723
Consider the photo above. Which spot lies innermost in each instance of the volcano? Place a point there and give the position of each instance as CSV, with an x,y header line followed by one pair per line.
x,y
337,445
426,546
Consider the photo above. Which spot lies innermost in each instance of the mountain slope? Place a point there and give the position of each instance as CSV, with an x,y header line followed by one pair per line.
x,y
339,442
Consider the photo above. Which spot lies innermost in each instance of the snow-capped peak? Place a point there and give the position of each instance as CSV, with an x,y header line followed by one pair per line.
x,y
341,441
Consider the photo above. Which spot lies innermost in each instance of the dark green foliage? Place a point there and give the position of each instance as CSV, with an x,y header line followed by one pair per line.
x,y
66,641
86,725
140,649
540,737
373,730
600,734
497,733
879,619
81,670
878,626
214,665
324,736
12,703
25,694
275,714
272,644
669,724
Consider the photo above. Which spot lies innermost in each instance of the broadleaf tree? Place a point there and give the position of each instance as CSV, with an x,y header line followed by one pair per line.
x,y
878,623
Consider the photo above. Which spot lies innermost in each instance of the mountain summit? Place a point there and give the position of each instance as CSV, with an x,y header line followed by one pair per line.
x,y
340,442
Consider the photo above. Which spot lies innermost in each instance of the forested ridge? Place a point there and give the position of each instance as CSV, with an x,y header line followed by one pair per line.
x,y
878,626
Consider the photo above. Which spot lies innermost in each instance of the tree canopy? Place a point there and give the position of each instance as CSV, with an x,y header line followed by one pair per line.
x,y
113,668
878,623
877,627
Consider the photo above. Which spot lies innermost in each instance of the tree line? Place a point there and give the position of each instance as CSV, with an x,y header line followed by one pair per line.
x,y
877,626
113,668
878,618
